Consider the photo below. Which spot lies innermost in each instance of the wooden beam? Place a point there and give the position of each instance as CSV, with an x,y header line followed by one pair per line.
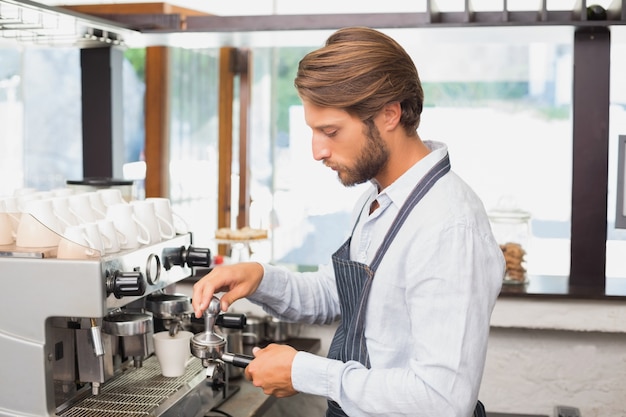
x,y
156,149
244,69
133,8
225,140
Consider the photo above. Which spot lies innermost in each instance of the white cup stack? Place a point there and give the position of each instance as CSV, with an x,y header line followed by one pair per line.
x,y
83,224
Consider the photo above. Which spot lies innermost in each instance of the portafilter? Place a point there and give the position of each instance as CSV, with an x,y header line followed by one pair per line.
x,y
211,346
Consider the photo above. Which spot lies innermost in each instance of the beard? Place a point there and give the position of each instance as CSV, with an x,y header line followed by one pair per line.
x,y
369,162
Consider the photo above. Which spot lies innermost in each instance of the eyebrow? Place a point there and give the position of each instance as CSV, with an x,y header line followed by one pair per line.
x,y
326,126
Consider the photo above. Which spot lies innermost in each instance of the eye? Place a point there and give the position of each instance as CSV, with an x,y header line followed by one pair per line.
x,y
330,133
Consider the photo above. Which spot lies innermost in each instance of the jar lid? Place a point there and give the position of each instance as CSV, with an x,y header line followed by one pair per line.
x,y
509,214
507,209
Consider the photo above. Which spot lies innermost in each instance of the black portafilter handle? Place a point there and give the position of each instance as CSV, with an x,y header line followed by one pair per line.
x,y
237,359
191,256
231,320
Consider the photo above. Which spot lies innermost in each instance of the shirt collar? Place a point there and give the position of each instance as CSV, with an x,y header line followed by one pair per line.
x,y
399,190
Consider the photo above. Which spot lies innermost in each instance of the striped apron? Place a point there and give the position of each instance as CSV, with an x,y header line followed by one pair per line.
x,y
354,281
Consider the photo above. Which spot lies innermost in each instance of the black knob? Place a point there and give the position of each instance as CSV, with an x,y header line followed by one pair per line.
x,y
123,284
198,257
181,256
596,12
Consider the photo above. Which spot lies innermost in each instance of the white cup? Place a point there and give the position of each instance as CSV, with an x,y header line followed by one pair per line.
x,y
144,210
110,233
80,207
75,244
31,233
62,210
39,226
9,220
110,196
10,205
44,195
134,231
24,191
43,210
23,199
11,208
95,238
172,352
97,205
7,235
62,192
165,216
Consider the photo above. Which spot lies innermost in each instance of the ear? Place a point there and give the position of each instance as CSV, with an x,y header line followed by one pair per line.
x,y
391,115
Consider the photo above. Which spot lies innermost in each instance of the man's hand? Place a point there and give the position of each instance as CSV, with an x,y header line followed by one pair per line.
x,y
271,370
237,281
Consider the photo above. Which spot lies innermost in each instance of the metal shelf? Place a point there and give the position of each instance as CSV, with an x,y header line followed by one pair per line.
x,y
30,22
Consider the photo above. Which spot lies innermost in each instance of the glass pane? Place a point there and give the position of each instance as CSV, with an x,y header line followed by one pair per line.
x,y
194,140
11,120
52,136
506,118
134,85
41,117
514,102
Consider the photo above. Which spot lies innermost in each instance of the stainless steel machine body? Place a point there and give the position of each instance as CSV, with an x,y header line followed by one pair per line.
x,y
76,338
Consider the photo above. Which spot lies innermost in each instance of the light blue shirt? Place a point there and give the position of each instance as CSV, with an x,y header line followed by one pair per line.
x,y
428,314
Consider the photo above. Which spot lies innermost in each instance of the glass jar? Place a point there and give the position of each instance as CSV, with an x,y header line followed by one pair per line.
x,y
511,228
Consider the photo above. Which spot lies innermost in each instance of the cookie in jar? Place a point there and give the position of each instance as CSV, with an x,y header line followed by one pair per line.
x,y
511,228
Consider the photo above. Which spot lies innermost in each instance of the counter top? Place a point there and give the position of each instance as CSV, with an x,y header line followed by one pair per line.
x,y
558,287
248,401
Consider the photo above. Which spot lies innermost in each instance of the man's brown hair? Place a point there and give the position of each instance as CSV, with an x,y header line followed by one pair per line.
x,y
360,70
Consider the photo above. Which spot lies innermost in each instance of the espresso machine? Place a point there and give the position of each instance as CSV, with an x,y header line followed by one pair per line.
x,y
76,335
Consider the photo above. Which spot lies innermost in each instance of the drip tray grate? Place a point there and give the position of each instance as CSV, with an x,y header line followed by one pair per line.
x,y
137,392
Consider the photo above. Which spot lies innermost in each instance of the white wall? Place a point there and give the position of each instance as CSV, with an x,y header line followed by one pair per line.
x,y
548,352
530,371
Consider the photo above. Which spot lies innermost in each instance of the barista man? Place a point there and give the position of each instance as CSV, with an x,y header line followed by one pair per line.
x,y
415,284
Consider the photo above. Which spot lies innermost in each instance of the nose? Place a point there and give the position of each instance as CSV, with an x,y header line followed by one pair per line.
x,y
319,147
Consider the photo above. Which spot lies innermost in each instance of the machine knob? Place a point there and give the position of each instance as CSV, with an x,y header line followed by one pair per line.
x,y
191,256
123,284
198,257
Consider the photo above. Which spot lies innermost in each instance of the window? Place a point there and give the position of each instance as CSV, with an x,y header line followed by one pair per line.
x,y
194,140
492,91
504,91
40,98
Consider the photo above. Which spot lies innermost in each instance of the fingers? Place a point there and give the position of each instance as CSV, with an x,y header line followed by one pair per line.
x,y
238,281
221,278
203,291
271,370
225,302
